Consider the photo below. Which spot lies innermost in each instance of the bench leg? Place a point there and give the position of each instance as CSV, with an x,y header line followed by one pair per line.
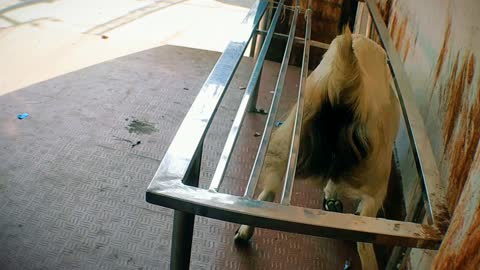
x,y
257,42
183,223
181,240
253,99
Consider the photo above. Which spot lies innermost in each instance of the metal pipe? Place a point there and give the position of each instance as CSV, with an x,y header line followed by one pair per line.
x,y
360,18
297,126
234,131
259,38
368,30
253,44
298,40
180,253
273,216
421,146
262,150
252,106
179,156
183,222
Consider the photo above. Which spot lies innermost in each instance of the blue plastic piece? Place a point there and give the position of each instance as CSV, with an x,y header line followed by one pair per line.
x,y
22,116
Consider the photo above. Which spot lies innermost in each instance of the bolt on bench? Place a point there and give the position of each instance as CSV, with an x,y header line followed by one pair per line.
x,y
175,184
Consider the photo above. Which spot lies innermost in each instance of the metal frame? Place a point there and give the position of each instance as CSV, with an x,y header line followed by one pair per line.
x,y
175,184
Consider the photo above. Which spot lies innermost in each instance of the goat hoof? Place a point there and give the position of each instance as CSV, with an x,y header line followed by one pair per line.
x,y
243,234
333,205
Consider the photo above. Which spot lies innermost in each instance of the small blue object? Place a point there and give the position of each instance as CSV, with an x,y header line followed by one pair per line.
x,y
22,116
278,123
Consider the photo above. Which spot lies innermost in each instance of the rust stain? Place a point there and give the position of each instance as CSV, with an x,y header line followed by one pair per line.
x,y
459,169
443,51
443,218
465,255
453,95
453,73
430,233
401,35
471,68
407,48
385,10
328,12
393,26
464,147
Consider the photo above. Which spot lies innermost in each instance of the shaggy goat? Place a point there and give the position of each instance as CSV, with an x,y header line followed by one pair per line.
x,y
350,122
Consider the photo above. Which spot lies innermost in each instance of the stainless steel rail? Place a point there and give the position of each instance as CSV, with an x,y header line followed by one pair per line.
x,y
175,184
299,40
179,156
262,149
234,131
297,125
422,149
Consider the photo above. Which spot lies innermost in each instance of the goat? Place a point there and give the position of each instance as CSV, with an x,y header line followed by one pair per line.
x,y
349,125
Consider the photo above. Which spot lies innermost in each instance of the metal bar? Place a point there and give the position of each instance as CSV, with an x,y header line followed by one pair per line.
x,y
178,158
252,105
257,40
183,222
262,26
361,19
262,149
182,163
414,203
253,44
298,40
181,240
297,126
369,26
230,208
234,131
422,149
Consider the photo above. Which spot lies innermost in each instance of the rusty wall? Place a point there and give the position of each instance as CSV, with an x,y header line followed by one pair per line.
x,y
325,19
439,42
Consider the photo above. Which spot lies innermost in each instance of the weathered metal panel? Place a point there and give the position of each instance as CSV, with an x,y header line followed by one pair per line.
x,y
439,42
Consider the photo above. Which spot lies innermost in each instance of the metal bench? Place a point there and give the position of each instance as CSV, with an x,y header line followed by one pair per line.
x,y
175,184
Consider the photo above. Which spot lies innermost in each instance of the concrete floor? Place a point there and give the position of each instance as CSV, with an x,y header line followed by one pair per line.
x,y
41,39
72,188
